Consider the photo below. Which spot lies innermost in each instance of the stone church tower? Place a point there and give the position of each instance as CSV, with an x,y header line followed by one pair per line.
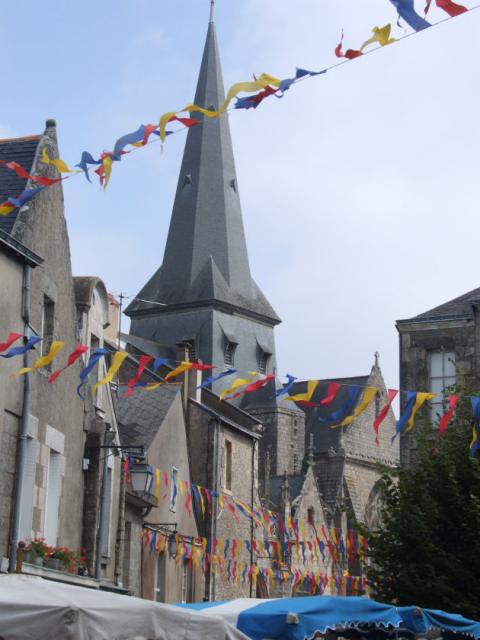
x,y
210,303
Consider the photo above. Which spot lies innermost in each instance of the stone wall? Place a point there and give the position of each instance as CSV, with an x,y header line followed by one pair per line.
x,y
283,437
416,340
201,425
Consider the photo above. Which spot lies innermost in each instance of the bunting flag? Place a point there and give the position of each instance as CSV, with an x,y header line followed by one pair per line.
x,y
6,208
22,173
368,395
414,402
380,35
73,357
254,386
182,367
44,361
392,393
18,351
240,87
406,11
475,400
92,362
419,401
237,383
452,8
12,337
350,54
85,160
354,392
212,379
60,165
287,387
252,102
117,362
143,362
446,418
23,198
332,392
305,397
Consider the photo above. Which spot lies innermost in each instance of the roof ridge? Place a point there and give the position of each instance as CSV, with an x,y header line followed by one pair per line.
x,y
20,138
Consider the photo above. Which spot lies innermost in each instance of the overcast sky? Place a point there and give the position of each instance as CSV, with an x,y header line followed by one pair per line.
x,y
359,188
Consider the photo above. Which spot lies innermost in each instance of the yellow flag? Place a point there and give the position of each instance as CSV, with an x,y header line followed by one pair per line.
x,y
239,382
368,396
59,164
43,361
117,362
380,35
184,366
158,484
5,209
421,398
311,386
247,87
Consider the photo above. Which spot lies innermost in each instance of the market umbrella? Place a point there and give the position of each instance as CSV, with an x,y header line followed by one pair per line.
x,y
32,608
303,618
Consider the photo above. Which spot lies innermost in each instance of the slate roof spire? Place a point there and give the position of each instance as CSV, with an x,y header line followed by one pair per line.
x,y
206,255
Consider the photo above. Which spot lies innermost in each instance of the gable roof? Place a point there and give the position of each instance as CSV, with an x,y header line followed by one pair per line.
x,y
21,150
458,308
140,416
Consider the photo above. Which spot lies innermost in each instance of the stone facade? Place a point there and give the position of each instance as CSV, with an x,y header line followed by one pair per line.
x,y
223,444
56,419
452,328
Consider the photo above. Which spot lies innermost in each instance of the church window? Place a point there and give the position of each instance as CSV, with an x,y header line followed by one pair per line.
x,y
229,355
228,465
441,369
295,462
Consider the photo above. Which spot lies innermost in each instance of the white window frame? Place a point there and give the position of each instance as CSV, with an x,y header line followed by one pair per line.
x,y
438,403
52,497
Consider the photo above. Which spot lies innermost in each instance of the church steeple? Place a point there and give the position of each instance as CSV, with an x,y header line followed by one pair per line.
x,y
206,257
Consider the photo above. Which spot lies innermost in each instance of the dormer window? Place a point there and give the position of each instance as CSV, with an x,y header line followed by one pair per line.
x,y
264,353
229,355
262,359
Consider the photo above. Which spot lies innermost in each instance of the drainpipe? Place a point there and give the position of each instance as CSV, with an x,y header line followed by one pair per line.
x,y
23,432
213,522
252,528
120,544
103,512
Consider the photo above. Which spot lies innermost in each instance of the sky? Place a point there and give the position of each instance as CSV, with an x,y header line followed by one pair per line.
x,y
359,188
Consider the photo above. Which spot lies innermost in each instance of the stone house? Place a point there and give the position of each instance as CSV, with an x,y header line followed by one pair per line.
x,y
156,421
437,348
47,421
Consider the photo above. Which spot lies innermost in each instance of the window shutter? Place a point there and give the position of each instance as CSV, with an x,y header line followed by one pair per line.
x,y
26,498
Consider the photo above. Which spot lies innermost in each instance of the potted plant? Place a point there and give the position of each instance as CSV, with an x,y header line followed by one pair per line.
x,y
39,549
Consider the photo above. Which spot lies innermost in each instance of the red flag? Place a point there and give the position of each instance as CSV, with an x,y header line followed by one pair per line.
x,y
349,53
188,499
143,362
209,500
333,389
149,129
449,7
165,482
187,122
383,413
20,171
198,366
445,419
254,386
12,337
79,350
